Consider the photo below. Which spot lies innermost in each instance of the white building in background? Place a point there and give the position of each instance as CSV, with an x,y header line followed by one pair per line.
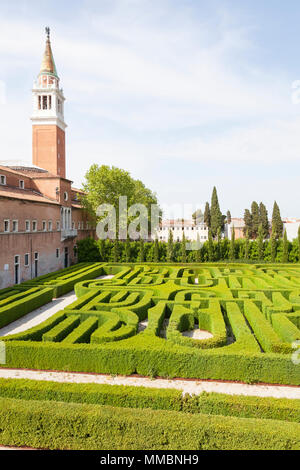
x,y
291,225
180,227
238,225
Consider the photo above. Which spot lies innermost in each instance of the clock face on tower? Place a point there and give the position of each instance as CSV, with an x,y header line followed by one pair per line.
x,y
48,125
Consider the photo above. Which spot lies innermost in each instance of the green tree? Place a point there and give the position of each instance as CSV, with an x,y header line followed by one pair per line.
x,y
116,253
273,248
228,217
232,245
156,251
248,223
218,245
247,242
127,250
285,248
198,252
102,250
263,220
255,219
141,250
260,243
277,224
216,217
170,247
207,215
183,249
105,185
210,247
198,216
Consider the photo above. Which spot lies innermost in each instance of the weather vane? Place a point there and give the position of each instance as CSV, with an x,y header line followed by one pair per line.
x,y
48,32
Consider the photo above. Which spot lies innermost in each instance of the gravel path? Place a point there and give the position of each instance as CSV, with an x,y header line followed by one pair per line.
x,y
187,386
197,334
42,313
39,315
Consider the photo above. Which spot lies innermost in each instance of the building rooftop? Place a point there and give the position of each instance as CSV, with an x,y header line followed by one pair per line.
x,y
25,195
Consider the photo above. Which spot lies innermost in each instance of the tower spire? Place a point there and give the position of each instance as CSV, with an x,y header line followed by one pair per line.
x,y
48,64
48,123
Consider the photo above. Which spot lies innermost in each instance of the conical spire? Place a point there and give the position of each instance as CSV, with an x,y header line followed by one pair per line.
x,y
48,64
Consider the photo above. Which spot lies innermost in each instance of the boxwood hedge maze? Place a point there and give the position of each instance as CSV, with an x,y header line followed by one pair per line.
x,y
133,321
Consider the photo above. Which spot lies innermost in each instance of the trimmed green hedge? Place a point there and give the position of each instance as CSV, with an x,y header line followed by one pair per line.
x,y
152,356
63,281
155,398
80,426
16,306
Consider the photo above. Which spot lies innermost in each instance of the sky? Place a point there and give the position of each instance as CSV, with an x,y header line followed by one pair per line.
x,y
184,94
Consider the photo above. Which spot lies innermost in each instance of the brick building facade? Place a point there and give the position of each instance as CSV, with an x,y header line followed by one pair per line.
x,y
41,218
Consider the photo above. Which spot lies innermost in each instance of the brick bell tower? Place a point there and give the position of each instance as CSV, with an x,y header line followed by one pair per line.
x,y
48,125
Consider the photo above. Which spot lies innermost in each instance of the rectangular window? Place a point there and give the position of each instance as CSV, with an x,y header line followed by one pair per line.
x,y
50,102
27,225
44,226
26,259
15,226
44,102
36,256
78,225
50,225
21,184
34,226
58,226
2,179
73,225
57,252
6,226
40,102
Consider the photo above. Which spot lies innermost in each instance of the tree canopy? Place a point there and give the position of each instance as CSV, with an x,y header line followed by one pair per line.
x,y
105,185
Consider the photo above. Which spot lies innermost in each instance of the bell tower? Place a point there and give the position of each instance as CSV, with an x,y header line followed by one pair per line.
x,y
48,125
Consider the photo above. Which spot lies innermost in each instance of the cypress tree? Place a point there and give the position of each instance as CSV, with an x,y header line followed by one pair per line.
x,y
273,248
207,215
102,250
198,255
228,217
127,250
263,220
141,250
232,245
218,247
216,218
183,249
170,247
285,249
255,218
156,251
277,224
116,250
260,243
210,247
248,223
247,241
